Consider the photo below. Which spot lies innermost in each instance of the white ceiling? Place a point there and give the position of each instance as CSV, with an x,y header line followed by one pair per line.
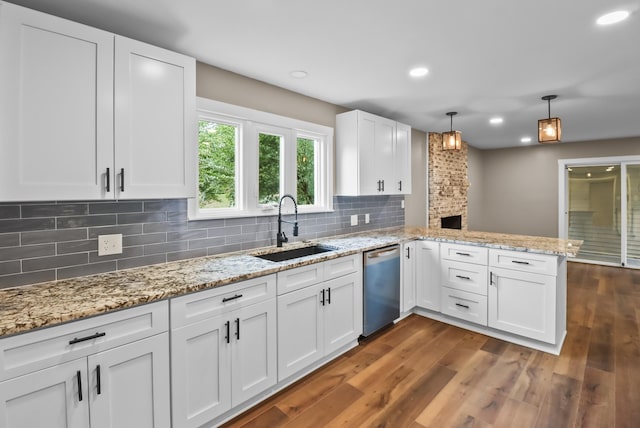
x,y
486,58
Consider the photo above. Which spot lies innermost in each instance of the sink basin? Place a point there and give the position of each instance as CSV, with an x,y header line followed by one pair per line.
x,y
295,253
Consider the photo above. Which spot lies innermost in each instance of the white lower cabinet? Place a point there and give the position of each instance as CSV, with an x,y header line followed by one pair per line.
x,y
102,386
420,275
226,357
409,266
48,397
523,303
319,319
427,272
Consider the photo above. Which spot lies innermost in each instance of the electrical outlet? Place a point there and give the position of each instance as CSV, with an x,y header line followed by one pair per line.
x,y
366,218
402,204
109,244
354,220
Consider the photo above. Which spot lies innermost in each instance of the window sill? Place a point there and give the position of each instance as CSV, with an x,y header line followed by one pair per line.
x,y
266,212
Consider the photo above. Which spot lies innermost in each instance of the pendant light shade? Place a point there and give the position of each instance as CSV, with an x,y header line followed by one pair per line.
x,y
550,129
452,140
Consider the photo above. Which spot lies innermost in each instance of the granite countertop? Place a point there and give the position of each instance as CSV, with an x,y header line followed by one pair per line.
x,y
46,304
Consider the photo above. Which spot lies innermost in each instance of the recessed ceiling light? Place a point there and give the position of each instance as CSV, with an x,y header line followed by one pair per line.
x,y
525,139
299,74
418,72
495,120
613,17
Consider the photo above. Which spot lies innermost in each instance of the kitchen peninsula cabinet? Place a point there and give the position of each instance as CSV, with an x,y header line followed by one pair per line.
x,y
223,348
107,371
86,114
524,295
373,155
321,317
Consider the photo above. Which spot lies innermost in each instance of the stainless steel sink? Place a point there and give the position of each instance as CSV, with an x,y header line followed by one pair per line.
x,y
295,253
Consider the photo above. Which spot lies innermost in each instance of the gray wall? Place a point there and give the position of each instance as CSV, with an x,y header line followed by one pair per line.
x,y
416,202
515,190
475,191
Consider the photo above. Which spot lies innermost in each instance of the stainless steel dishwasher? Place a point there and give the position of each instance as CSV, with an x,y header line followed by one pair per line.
x,y
381,288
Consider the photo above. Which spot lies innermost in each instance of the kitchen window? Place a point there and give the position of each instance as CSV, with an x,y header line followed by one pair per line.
x,y
248,159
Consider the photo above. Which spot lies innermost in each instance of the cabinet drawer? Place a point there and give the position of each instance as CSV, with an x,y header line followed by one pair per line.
x,y
525,262
342,266
210,303
39,349
464,253
467,306
297,278
464,276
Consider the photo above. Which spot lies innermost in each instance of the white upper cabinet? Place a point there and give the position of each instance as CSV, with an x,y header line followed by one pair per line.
x,y
80,106
155,125
402,158
373,155
56,108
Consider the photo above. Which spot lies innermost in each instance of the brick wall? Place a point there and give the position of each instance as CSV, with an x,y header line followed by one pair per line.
x,y
448,181
45,241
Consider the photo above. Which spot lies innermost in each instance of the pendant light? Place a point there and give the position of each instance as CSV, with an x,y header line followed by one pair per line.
x,y
452,140
550,129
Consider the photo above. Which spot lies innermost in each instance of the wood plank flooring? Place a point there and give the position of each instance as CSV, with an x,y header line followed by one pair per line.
x,y
423,373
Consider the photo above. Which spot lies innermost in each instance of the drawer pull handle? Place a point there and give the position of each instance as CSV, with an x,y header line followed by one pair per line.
x,y
108,174
463,254
322,293
98,382
491,281
84,339
520,263
228,299
329,296
463,277
122,179
228,327
462,306
237,328
79,380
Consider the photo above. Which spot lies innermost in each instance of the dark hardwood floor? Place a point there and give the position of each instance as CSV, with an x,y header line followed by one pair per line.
x,y
423,373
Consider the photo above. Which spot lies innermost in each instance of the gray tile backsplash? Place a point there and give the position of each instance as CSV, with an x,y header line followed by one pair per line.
x,y
45,241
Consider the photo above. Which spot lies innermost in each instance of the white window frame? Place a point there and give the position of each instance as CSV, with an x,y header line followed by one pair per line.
x,y
250,123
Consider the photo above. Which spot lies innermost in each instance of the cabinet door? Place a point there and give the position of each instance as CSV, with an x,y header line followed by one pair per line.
x,y
300,341
155,124
408,276
201,371
56,397
56,108
523,303
253,354
130,385
402,160
376,136
428,274
342,311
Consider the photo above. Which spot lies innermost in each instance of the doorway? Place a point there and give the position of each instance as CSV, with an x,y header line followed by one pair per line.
x,y
599,203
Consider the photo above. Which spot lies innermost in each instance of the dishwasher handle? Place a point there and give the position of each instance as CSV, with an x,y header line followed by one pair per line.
x,y
383,253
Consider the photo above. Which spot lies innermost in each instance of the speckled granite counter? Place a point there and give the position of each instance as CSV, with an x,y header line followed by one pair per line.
x,y
47,304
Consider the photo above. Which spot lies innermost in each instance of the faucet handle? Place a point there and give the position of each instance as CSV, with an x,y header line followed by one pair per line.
x,y
284,238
